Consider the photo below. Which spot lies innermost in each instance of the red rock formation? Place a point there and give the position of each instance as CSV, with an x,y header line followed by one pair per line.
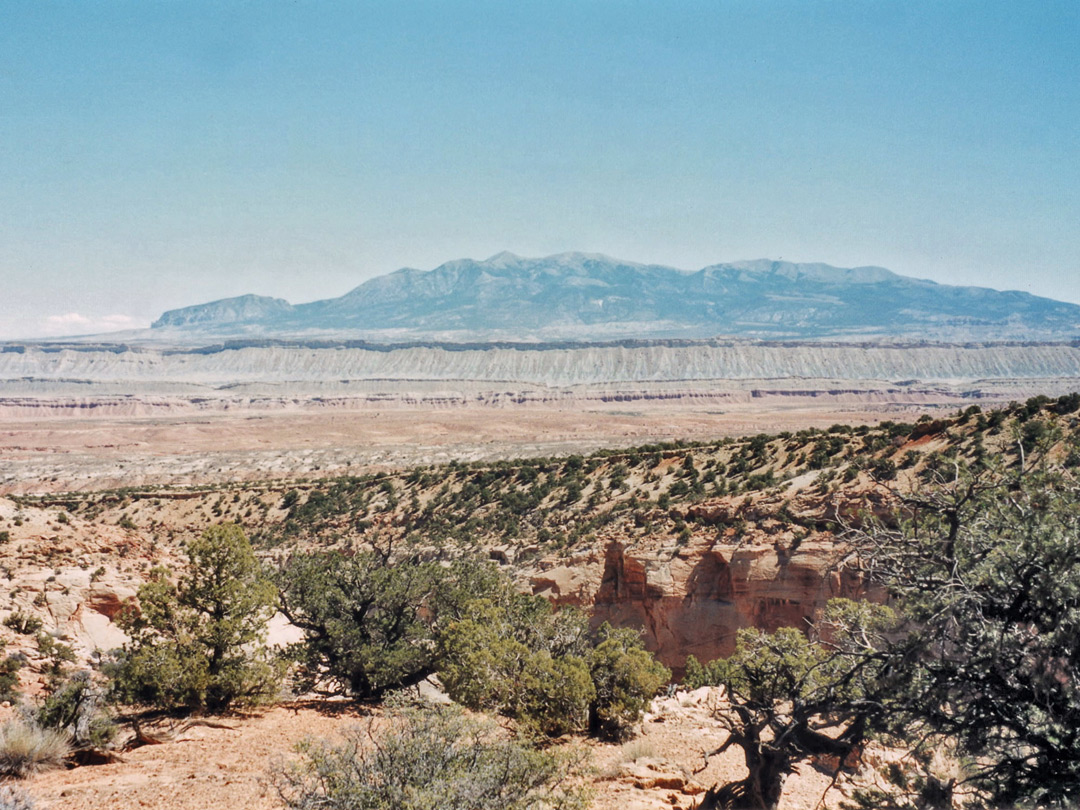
x,y
693,601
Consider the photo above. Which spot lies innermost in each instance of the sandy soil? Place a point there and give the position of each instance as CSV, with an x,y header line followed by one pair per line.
x,y
204,768
214,767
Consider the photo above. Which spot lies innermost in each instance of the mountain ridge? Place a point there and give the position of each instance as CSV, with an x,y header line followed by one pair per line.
x,y
588,296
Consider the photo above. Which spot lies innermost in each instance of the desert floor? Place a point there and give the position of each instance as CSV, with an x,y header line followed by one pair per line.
x,y
208,767
78,452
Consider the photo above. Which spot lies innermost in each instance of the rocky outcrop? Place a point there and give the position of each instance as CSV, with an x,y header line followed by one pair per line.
x,y
693,599
766,562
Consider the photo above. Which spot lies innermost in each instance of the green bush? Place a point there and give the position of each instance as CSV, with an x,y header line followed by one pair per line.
x,y
516,656
712,673
9,676
626,677
369,619
433,759
555,694
76,707
25,624
199,643
883,469
57,655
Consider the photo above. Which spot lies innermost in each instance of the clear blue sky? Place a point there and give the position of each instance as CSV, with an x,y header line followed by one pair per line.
x,y
157,154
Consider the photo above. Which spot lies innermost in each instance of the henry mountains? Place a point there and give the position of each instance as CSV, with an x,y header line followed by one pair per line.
x,y
576,296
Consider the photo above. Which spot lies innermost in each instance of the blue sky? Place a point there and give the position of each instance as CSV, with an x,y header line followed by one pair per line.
x,y
158,154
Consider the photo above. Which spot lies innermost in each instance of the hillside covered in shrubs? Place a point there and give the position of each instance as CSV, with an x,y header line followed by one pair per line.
x,y
964,533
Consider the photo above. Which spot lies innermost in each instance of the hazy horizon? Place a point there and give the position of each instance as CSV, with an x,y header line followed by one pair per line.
x,y
156,156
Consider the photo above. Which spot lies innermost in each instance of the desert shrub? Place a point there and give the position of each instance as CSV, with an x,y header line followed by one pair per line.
x,y
9,675
1038,434
76,707
792,697
883,469
909,460
199,643
1033,406
554,694
57,656
25,624
697,674
26,747
427,760
626,677
369,619
516,656
641,748
1068,403
15,798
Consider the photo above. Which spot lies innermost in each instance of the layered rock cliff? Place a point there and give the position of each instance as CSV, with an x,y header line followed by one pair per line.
x,y
301,368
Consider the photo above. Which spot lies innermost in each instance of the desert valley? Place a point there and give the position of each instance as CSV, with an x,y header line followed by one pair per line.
x,y
576,405
686,490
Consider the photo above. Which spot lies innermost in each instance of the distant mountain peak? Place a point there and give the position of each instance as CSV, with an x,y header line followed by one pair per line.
x,y
241,309
589,296
570,258
816,271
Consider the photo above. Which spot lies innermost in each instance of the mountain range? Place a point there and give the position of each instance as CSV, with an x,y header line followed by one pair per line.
x,y
577,296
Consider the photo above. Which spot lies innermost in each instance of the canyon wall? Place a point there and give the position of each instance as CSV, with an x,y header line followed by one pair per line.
x,y
693,601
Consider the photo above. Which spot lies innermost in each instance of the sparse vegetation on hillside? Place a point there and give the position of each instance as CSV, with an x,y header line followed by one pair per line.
x,y
968,520
538,506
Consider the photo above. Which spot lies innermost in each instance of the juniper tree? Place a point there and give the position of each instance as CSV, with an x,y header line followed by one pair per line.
x,y
987,571
197,642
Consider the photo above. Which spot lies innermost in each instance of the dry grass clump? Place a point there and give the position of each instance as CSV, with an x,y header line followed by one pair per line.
x,y
641,748
26,747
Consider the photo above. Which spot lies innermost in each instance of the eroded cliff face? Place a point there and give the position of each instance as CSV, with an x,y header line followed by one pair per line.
x,y
693,600
243,369
744,564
